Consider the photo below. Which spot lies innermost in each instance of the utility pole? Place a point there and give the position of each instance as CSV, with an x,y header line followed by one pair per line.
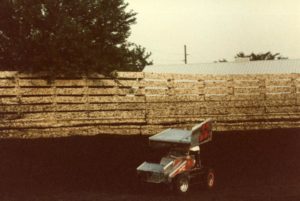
x,y
185,55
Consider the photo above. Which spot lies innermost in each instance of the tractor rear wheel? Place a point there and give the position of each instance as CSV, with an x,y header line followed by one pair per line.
x,y
210,179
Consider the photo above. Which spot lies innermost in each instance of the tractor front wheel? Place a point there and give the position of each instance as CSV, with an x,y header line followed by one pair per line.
x,y
182,184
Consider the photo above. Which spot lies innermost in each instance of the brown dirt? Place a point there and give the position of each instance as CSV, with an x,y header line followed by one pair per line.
x,y
252,165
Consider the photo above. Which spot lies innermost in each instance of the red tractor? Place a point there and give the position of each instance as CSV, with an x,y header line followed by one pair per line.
x,y
181,166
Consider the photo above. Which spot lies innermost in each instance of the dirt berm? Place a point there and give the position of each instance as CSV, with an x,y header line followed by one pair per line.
x,y
252,165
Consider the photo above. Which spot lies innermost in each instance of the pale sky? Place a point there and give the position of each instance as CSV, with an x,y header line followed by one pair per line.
x,y
215,29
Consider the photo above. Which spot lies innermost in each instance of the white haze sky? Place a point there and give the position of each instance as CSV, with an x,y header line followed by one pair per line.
x,y
215,29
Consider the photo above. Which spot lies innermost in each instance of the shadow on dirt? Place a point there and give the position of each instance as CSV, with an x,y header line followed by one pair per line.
x,y
107,163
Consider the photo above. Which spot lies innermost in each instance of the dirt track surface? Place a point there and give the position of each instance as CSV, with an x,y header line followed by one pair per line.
x,y
250,166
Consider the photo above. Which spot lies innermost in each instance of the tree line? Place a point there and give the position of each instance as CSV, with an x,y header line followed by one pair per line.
x,y
256,56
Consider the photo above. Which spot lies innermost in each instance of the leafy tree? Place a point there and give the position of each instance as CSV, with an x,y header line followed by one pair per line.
x,y
68,36
240,55
260,56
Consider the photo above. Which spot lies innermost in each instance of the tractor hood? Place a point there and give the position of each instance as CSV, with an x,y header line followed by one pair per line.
x,y
168,168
